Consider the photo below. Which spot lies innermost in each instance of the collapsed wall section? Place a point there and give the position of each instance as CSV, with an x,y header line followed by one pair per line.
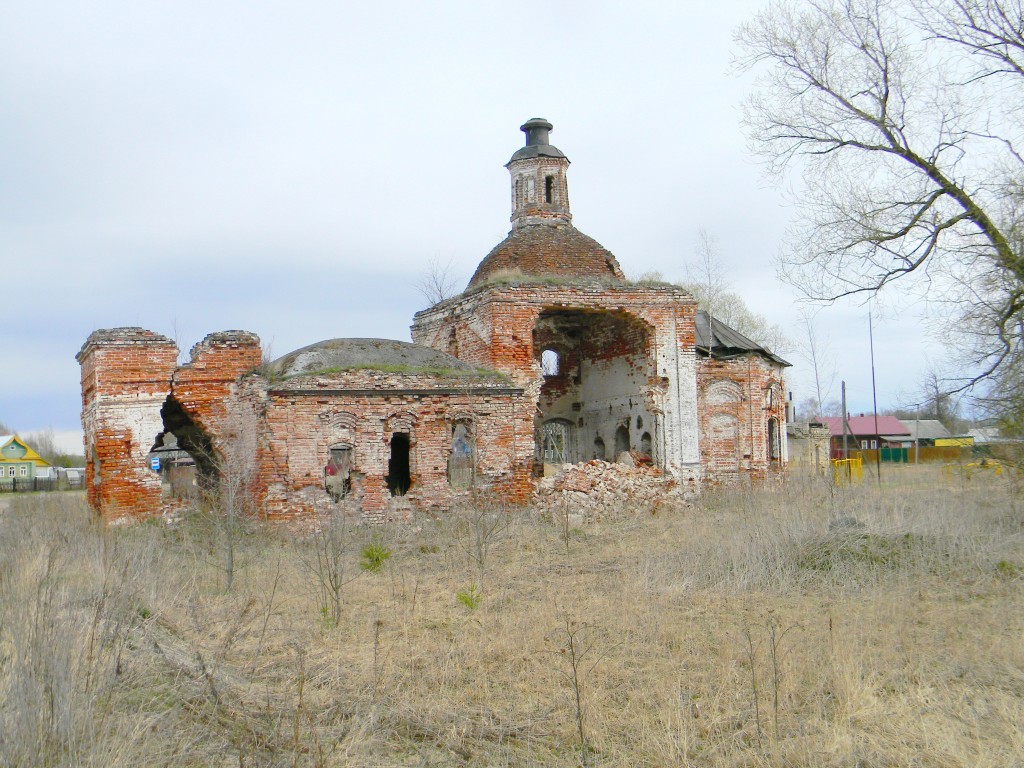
x,y
126,377
132,388
496,325
204,385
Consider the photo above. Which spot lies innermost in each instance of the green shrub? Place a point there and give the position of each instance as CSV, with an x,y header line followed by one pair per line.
x,y
469,597
374,555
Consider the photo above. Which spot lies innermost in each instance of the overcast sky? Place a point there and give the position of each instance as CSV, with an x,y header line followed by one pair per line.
x,y
290,169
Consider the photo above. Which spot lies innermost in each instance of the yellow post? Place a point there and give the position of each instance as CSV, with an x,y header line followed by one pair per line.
x,y
847,471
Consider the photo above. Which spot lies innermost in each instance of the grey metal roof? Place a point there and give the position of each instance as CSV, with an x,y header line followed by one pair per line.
x,y
926,429
724,340
536,150
335,355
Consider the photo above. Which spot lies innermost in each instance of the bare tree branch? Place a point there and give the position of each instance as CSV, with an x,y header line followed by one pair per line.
x,y
903,118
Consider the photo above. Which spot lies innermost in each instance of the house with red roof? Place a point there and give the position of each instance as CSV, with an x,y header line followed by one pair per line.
x,y
864,433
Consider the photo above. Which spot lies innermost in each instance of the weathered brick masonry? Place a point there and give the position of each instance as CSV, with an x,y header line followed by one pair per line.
x,y
626,353
126,378
549,357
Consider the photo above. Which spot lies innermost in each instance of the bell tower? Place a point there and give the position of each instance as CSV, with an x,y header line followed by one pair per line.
x,y
540,194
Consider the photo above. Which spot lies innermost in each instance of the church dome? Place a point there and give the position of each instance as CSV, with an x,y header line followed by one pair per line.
x,y
546,250
543,242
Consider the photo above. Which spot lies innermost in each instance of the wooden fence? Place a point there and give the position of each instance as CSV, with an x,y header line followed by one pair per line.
x,y
944,454
30,484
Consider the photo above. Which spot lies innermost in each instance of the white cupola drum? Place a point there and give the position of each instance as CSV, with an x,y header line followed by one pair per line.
x,y
540,194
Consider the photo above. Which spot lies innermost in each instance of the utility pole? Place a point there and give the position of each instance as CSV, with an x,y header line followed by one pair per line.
x,y
846,446
874,401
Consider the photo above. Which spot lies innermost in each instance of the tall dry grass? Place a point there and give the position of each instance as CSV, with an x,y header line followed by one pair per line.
x,y
796,626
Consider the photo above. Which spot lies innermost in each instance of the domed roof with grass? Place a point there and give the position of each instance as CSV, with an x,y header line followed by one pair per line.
x,y
335,356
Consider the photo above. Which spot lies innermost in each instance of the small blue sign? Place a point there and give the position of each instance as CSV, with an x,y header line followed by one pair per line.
x,y
154,463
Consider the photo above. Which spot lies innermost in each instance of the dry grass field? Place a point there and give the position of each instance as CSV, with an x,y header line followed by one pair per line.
x,y
758,628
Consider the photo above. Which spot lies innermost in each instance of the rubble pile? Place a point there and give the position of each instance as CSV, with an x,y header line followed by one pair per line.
x,y
600,490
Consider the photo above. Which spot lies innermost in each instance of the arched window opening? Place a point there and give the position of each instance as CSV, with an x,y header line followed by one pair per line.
x,y
621,440
550,362
549,188
645,445
338,472
599,448
462,461
556,436
398,478
189,461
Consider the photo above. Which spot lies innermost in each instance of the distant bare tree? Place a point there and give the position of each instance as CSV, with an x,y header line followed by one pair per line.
x,y
708,282
816,353
705,275
44,442
438,282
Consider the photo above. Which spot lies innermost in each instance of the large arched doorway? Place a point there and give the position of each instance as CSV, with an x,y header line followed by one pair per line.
x,y
557,442
595,368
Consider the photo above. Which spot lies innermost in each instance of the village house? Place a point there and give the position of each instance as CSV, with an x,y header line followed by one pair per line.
x,y
866,433
550,356
19,463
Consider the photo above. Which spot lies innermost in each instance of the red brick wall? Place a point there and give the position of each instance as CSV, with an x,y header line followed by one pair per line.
x,y
495,325
734,412
203,385
305,418
126,376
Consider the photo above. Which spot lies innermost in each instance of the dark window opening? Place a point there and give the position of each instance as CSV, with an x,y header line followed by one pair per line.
x,y
549,186
645,445
599,448
338,472
621,440
398,478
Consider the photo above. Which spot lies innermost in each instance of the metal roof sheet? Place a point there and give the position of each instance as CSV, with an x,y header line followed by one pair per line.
x,y
888,426
712,336
926,429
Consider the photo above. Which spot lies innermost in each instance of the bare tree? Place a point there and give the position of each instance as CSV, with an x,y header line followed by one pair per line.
x,y
708,282
933,399
705,275
903,118
227,467
815,351
438,281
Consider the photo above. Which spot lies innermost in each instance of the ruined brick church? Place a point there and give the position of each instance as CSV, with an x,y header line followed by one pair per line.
x,y
550,356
